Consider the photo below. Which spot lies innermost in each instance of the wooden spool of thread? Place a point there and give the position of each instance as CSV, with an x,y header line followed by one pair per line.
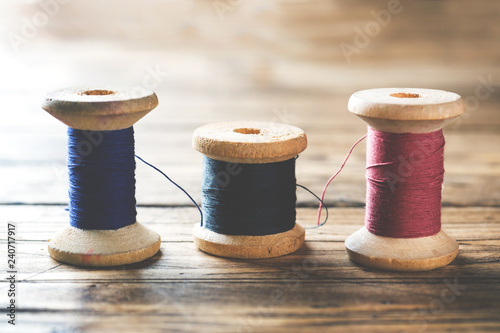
x,y
394,115
100,114
240,153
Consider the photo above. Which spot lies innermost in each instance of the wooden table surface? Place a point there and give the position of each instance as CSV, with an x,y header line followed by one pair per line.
x,y
266,61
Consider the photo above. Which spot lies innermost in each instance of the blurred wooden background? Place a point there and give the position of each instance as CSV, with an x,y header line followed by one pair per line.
x,y
287,61
259,60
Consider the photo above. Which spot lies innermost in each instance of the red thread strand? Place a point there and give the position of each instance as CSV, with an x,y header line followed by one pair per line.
x,y
335,175
404,177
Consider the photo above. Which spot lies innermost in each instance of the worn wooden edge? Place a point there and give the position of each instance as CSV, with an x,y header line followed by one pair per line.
x,y
100,248
401,254
249,142
406,104
248,247
99,108
406,126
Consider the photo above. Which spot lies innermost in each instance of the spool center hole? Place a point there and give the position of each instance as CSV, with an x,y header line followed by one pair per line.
x,y
97,92
405,95
247,130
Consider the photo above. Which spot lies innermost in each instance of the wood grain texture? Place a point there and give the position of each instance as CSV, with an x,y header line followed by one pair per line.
x,y
249,247
472,174
318,287
103,248
249,141
412,104
99,108
401,254
264,60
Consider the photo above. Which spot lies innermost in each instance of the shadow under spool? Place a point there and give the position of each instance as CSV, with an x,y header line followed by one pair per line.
x,y
397,114
249,189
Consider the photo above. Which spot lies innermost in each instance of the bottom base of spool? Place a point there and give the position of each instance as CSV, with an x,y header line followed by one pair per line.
x,y
401,254
249,247
101,248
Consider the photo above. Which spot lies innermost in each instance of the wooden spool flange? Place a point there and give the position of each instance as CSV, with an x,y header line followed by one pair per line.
x,y
404,110
102,109
249,142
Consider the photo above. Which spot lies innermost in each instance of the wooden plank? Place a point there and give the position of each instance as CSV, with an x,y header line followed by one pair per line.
x,y
263,306
472,171
477,260
39,222
476,229
278,61
186,290
38,174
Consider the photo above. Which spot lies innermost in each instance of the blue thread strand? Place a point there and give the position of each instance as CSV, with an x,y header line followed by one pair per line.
x,y
248,199
101,169
178,186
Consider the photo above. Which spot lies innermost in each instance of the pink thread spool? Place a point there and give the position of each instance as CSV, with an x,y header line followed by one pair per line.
x,y
392,114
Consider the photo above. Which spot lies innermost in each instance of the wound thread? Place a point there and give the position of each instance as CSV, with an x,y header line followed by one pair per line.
x,y
248,199
404,176
101,169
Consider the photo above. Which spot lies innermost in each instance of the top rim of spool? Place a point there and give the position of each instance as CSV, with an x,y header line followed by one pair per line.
x,y
431,104
99,107
249,142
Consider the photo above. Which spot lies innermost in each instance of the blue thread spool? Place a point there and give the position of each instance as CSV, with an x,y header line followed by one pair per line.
x,y
249,189
103,230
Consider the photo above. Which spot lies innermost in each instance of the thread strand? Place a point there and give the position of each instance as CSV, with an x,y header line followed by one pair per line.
x,y
334,176
321,201
174,183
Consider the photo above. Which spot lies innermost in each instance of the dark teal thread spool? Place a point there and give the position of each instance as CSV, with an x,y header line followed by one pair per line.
x,y
245,155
